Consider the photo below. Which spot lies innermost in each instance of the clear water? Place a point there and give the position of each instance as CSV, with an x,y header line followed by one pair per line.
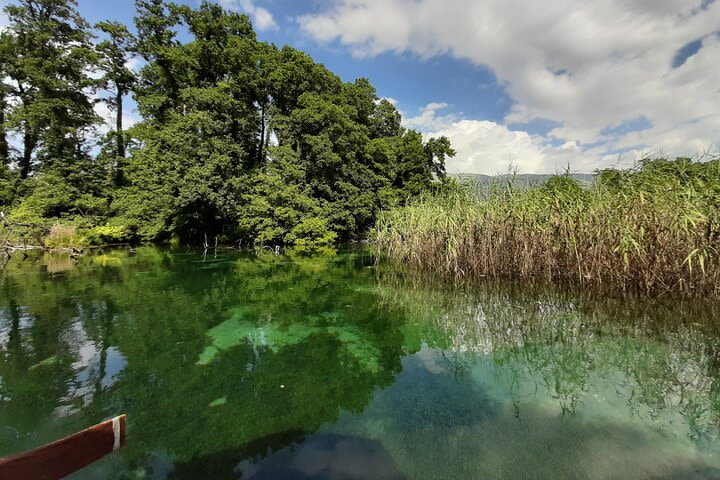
x,y
241,366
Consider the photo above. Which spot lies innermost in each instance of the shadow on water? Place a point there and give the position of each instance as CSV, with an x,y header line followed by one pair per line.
x,y
317,457
222,464
430,424
428,395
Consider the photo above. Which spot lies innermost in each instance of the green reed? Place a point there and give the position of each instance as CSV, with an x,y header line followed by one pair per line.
x,y
653,228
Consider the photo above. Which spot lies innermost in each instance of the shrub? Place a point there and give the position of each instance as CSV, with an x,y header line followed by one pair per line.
x,y
311,235
106,234
63,236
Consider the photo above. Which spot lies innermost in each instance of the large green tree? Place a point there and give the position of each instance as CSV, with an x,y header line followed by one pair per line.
x,y
198,138
239,139
114,52
157,88
48,76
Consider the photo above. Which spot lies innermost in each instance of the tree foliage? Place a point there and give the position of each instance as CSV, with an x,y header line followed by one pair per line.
x,y
239,139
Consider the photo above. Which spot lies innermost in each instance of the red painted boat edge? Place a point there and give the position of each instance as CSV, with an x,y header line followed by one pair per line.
x,y
70,454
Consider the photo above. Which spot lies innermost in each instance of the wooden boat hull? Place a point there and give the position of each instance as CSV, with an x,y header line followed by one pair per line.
x,y
61,458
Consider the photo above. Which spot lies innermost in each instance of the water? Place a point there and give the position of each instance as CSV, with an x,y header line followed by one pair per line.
x,y
237,366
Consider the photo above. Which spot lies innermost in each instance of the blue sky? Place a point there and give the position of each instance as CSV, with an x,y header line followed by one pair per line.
x,y
412,81
533,86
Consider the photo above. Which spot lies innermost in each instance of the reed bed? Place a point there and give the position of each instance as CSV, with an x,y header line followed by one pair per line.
x,y
654,228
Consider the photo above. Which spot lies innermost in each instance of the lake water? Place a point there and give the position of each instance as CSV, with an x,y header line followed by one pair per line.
x,y
232,365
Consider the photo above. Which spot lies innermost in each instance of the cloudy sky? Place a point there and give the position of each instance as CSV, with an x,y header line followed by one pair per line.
x,y
539,86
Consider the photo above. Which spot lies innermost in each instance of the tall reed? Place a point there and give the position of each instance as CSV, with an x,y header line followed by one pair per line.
x,y
653,228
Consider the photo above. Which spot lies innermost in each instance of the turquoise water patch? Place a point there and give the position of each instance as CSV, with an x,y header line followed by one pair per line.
x,y
234,332
44,363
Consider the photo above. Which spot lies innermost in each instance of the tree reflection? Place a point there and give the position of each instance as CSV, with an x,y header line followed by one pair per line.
x,y
159,310
661,356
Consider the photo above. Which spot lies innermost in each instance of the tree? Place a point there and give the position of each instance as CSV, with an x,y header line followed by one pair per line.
x,y
6,52
201,161
48,77
199,143
4,146
114,53
265,61
385,120
157,88
436,151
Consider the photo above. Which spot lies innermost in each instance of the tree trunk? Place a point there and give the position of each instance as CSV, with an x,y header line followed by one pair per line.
x,y
4,148
119,124
29,141
261,150
268,131
119,137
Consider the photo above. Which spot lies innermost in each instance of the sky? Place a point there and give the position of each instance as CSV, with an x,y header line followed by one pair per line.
x,y
521,85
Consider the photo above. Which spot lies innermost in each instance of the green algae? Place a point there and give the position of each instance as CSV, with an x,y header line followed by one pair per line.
x,y
364,351
44,363
234,332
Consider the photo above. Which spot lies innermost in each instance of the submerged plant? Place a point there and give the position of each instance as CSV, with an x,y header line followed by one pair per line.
x,y
236,331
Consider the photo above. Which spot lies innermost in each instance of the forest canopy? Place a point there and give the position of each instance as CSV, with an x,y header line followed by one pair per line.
x,y
238,139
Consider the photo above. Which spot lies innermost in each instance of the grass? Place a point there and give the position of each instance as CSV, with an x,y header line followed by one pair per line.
x,y
63,236
654,228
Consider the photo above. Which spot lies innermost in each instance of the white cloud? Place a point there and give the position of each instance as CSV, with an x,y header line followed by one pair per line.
x,y
491,148
428,119
134,63
4,21
262,18
586,65
130,117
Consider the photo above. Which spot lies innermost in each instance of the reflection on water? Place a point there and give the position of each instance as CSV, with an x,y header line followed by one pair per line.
x,y
326,456
238,366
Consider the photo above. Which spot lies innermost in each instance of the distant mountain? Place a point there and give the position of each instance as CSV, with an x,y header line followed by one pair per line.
x,y
519,180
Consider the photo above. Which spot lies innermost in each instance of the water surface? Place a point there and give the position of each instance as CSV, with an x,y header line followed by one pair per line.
x,y
232,365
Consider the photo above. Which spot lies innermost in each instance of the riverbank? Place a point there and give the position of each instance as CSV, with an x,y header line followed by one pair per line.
x,y
653,229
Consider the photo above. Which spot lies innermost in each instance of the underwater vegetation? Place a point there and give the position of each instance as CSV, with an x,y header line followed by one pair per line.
x,y
259,365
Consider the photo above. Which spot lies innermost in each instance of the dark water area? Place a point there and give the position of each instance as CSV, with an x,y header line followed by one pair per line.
x,y
234,365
